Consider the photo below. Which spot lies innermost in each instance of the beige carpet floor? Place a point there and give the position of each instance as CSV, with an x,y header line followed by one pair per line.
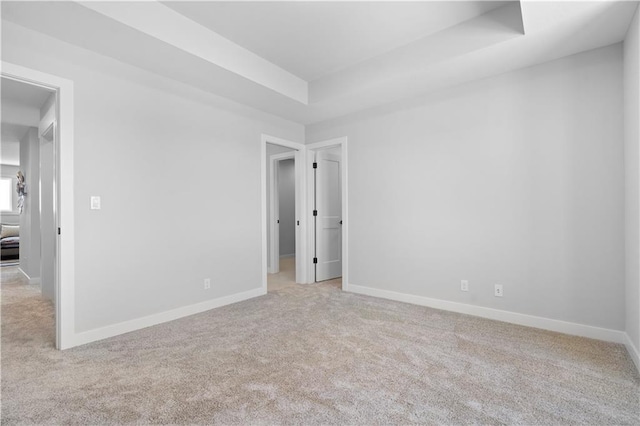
x,y
287,276
310,355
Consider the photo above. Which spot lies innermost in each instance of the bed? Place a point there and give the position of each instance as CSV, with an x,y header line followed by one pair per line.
x,y
9,241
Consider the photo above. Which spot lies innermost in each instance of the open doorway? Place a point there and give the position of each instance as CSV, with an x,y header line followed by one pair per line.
x,y
63,187
29,221
282,217
284,239
305,233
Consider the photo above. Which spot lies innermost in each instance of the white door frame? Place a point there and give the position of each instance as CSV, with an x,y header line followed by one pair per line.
x,y
301,230
311,150
64,280
274,209
43,134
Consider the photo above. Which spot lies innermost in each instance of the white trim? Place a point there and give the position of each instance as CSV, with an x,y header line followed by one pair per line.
x,y
301,214
282,142
24,273
634,353
162,317
285,256
263,213
498,315
32,281
274,209
311,148
301,241
49,128
65,253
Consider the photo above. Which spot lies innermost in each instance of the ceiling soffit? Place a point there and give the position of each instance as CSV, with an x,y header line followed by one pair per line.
x,y
503,38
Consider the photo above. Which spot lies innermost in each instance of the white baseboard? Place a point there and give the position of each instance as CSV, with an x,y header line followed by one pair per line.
x,y
499,315
159,318
24,273
633,351
32,281
282,256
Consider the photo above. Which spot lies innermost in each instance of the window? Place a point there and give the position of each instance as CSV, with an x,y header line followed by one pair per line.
x,y
6,194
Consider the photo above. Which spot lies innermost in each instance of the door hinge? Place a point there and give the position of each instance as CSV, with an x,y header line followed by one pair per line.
x,y
315,212
315,260
278,221
58,231
315,165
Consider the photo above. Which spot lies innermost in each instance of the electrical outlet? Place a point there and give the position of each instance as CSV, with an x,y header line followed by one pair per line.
x,y
464,285
498,290
207,283
95,202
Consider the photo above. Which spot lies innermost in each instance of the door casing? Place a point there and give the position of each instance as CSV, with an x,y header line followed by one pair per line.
x,y
301,243
305,241
64,276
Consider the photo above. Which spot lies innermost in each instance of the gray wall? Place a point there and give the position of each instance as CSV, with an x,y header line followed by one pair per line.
x,y
287,205
514,180
632,179
30,218
48,225
150,147
47,219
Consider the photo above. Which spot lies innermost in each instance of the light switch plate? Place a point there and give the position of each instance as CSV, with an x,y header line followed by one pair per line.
x,y
95,202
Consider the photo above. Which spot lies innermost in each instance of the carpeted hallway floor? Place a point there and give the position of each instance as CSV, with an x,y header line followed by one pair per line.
x,y
287,276
310,355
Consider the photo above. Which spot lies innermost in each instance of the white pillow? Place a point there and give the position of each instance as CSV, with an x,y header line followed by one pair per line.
x,y
10,231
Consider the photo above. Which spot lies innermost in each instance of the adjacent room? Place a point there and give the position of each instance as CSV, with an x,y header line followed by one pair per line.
x,y
320,212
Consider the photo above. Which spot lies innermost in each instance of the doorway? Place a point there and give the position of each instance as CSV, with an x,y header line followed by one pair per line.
x,y
305,156
282,217
283,207
29,121
58,147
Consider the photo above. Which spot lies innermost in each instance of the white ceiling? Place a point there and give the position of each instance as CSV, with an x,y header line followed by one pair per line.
x,y
313,39
315,61
18,93
20,105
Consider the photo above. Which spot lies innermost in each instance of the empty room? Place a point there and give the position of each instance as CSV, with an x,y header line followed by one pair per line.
x,y
301,212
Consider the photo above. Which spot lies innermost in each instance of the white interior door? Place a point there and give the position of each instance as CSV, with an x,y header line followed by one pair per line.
x,y
47,214
329,216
